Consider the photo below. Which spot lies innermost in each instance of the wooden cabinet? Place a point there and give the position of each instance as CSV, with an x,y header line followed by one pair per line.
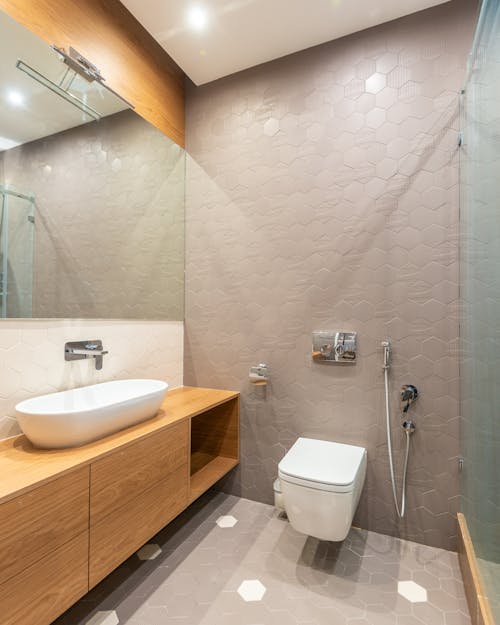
x,y
134,492
69,517
36,523
214,446
44,550
126,473
127,528
44,590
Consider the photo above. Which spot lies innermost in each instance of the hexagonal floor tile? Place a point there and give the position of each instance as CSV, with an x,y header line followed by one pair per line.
x,y
252,590
110,617
207,581
226,521
412,591
149,552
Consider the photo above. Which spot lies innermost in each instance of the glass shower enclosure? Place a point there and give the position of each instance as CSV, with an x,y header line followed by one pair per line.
x,y
16,252
480,298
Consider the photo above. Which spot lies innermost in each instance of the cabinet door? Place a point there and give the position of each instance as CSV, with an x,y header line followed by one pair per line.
x,y
38,522
47,588
125,474
128,527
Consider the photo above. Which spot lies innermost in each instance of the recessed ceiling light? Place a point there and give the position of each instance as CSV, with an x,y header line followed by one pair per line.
x,y
15,98
197,17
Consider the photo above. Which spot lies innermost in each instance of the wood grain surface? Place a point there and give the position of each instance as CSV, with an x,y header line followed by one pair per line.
x,y
216,432
36,523
477,600
46,589
128,527
23,467
125,474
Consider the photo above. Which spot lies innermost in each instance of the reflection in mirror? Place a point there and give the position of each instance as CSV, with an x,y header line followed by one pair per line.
x,y
29,110
16,253
92,212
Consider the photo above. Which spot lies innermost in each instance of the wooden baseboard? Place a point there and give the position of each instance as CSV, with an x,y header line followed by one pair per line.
x,y
477,599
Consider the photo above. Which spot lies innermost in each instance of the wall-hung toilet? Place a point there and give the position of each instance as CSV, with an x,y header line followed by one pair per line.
x,y
321,483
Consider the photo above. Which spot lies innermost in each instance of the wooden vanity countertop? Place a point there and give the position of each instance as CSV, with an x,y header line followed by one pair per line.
x,y
24,467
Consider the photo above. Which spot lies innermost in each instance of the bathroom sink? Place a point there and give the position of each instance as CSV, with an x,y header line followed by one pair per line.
x,y
80,415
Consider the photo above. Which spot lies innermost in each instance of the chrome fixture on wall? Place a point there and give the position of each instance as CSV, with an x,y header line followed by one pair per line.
x,y
259,375
77,65
79,350
334,347
408,394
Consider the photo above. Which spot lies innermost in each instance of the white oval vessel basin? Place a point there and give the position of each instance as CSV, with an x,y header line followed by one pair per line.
x,y
80,415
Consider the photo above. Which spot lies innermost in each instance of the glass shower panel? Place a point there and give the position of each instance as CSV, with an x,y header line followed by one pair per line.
x,y
16,253
480,298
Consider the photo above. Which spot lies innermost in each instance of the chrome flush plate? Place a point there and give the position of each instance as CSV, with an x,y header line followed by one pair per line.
x,y
332,347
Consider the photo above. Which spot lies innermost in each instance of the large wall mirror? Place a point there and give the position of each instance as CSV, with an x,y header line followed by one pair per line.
x,y
91,195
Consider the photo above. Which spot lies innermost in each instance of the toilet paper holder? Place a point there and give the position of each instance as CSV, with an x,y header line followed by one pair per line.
x,y
259,374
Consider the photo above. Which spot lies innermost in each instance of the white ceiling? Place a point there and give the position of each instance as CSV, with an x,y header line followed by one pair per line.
x,y
242,33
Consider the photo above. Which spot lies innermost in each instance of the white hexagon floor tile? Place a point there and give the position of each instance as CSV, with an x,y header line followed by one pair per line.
x,y
149,552
412,591
251,590
226,521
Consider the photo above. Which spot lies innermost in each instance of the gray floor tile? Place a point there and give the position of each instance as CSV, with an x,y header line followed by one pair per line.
x,y
196,577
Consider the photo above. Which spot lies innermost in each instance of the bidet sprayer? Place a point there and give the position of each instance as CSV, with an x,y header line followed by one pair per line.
x,y
387,354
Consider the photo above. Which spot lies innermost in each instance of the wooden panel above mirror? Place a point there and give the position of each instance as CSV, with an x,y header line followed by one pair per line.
x,y
132,62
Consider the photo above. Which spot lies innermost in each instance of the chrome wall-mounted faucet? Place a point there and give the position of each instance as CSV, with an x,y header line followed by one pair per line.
x,y
408,394
79,350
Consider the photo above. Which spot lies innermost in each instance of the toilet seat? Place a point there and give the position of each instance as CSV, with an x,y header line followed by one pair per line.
x,y
322,465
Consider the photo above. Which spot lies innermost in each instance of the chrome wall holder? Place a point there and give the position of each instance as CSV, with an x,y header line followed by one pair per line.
x,y
259,375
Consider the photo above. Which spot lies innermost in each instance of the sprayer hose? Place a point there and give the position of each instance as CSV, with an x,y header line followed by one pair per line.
x,y
400,511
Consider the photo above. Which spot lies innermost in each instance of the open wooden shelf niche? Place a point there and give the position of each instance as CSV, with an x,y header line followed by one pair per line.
x,y
214,446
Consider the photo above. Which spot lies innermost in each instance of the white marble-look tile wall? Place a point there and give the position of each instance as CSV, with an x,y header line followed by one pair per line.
x,y
32,357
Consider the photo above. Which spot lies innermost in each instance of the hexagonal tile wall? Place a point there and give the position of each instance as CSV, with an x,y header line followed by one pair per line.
x,y
412,591
226,521
322,194
96,288
149,552
251,590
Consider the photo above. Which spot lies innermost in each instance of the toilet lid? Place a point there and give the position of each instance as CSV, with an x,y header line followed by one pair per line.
x,y
334,465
